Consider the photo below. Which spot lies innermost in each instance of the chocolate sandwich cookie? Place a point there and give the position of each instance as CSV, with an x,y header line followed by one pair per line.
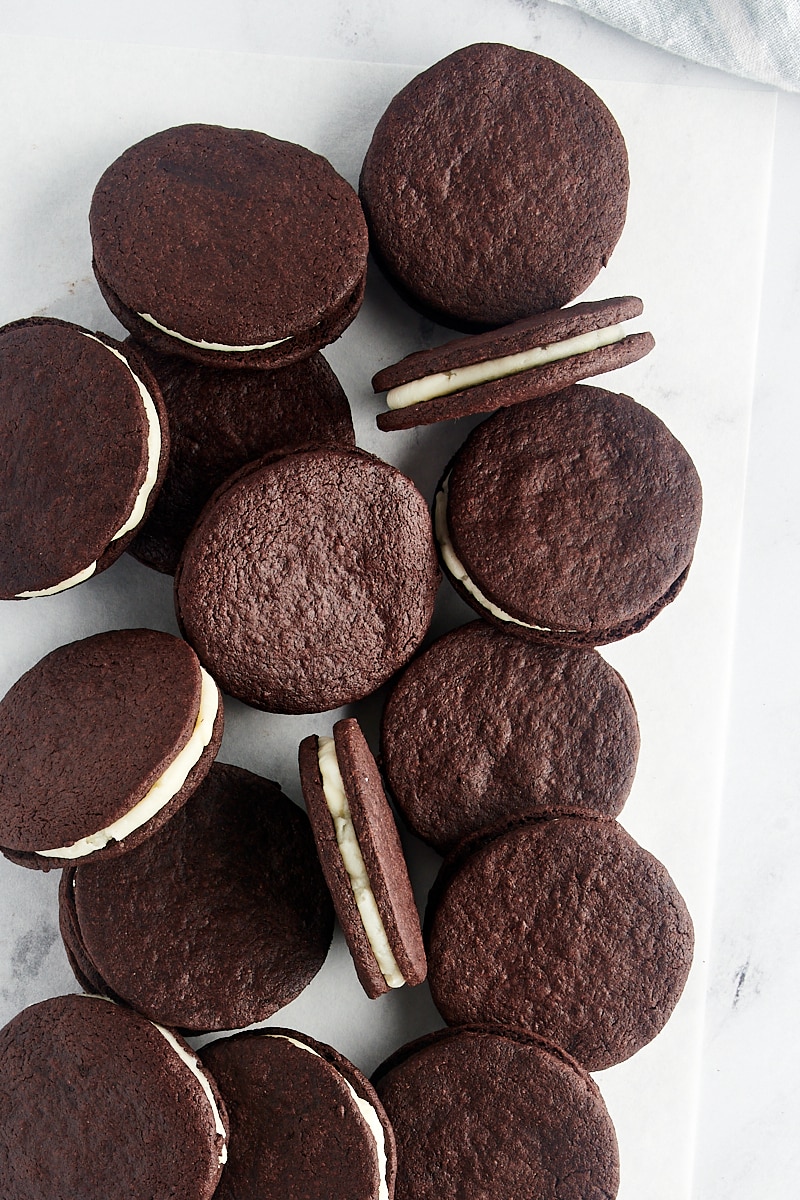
x,y
219,420
85,442
362,858
485,1111
506,366
495,187
305,1123
97,1102
565,927
228,246
100,743
483,726
570,519
216,921
308,580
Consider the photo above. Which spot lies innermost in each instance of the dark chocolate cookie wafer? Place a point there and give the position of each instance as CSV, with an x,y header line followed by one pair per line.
x,y
85,446
98,1103
228,246
100,743
485,1111
308,580
362,858
530,358
495,187
216,921
218,421
483,726
305,1123
570,519
565,927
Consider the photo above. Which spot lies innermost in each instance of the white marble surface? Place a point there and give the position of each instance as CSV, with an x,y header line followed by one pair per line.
x,y
745,1141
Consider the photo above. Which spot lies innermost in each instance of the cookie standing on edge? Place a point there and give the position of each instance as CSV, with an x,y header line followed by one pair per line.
x,y
219,420
362,858
305,1123
308,580
228,246
98,1102
495,186
100,743
215,922
570,519
482,726
565,927
85,440
485,1111
530,358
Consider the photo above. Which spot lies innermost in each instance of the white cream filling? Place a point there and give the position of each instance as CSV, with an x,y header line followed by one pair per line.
x,y
457,569
446,382
194,1065
140,503
347,841
202,345
164,788
367,1111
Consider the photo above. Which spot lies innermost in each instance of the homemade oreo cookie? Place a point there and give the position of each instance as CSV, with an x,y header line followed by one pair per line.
x,y
85,449
362,858
570,519
565,927
219,420
507,366
495,186
216,921
100,743
308,580
486,1111
305,1123
228,246
97,1102
483,726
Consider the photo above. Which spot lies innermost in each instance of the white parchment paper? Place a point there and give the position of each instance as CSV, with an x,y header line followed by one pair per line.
x,y
692,249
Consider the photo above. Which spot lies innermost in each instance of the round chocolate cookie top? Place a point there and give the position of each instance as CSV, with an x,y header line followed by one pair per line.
x,y
218,421
308,580
570,519
228,246
96,1102
305,1123
85,449
95,729
495,186
485,1111
483,726
216,921
362,858
565,927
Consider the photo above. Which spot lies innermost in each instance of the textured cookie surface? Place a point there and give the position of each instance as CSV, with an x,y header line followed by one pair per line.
x,y
75,430
488,1112
228,238
495,186
219,420
96,1103
379,845
215,922
308,580
484,725
298,1125
576,515
87,731
565,927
